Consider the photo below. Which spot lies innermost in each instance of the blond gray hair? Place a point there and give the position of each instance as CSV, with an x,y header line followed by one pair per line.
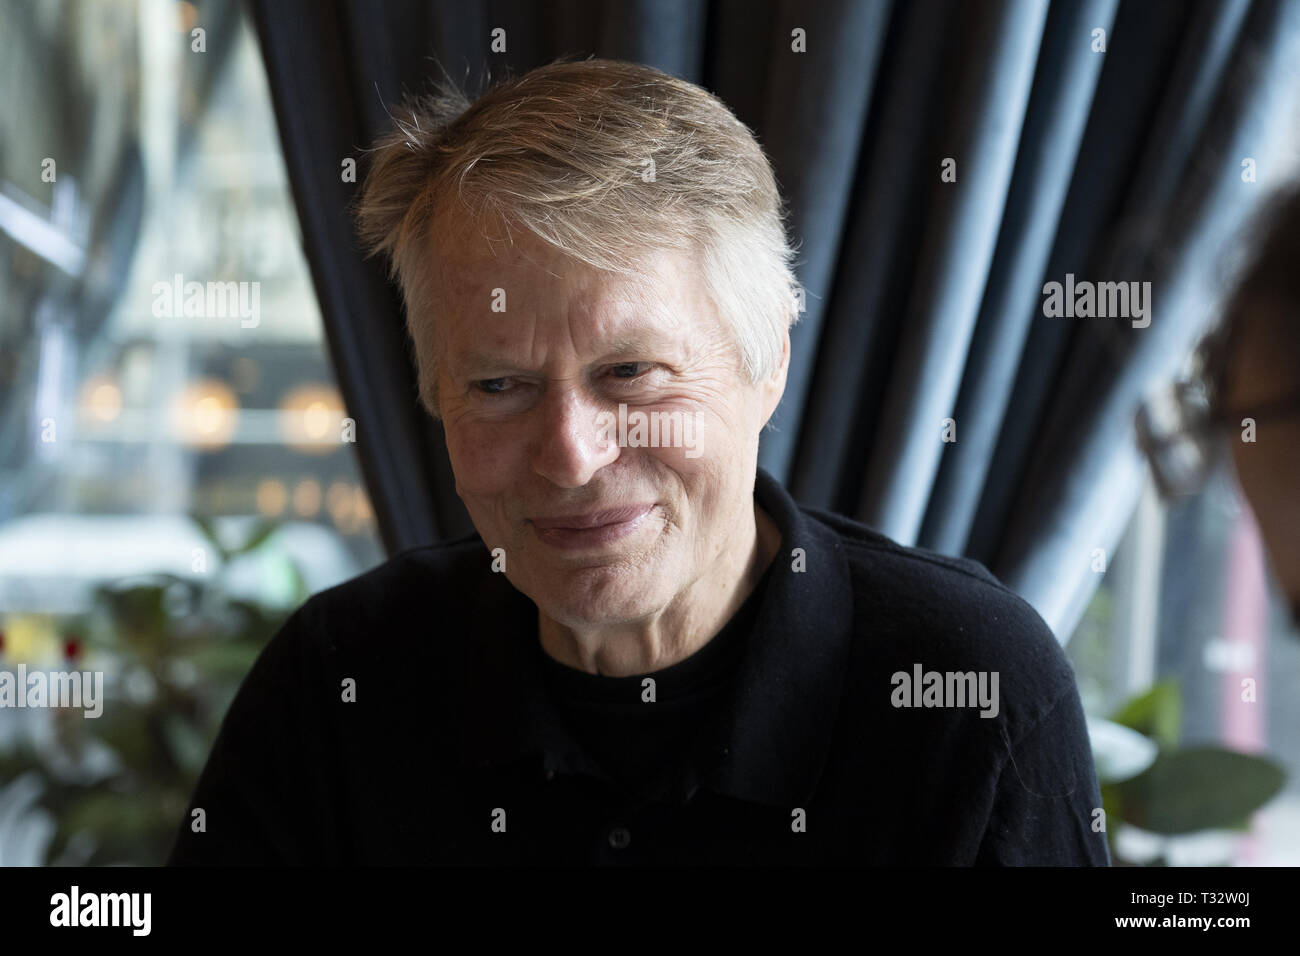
x,y
565,151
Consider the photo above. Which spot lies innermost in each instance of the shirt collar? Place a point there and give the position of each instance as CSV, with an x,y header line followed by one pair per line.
x,y
773,741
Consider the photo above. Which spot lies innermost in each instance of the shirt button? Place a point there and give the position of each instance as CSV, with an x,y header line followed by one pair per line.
x,y
619,837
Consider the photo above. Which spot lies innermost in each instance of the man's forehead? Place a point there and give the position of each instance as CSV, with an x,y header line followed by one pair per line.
x,y
477,348
659,303
468,261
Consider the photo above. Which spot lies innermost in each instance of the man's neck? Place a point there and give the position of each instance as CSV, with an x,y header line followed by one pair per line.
x,y
680,629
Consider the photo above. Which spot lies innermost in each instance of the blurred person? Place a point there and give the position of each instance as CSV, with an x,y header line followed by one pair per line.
x,y
647,652
1244,394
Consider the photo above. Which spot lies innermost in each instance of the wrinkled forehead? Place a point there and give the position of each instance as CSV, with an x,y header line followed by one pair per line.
x,y
482,277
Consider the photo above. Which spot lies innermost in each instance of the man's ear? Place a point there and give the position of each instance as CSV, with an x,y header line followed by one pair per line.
x,y
774,385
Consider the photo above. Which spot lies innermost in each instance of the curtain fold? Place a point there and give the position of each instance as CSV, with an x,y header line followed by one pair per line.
x,y
1070,511
924,298
986,116
883,235
1063,91
812,127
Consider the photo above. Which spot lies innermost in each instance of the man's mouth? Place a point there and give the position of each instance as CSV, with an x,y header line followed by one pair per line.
x,y
593,528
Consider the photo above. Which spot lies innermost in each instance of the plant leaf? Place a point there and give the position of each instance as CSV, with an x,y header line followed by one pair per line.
x,y
1206,788
1157,713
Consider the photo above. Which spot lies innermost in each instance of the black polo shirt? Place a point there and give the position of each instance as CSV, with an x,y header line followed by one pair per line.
x,y
410,716
638,744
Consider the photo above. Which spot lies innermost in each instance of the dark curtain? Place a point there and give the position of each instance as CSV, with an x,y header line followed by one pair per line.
x,y
924,297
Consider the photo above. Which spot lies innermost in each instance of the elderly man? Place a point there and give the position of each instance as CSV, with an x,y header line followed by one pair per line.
x,y
648,653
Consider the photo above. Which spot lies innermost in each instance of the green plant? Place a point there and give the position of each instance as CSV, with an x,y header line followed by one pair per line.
x,y
174,650
1176,791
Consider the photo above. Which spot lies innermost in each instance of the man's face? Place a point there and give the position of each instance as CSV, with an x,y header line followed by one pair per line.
x,y
593,532
1261,373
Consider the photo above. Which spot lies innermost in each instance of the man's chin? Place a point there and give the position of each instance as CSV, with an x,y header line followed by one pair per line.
x,y
595,597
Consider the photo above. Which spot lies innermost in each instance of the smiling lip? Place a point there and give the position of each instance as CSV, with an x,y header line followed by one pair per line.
x,y
591,529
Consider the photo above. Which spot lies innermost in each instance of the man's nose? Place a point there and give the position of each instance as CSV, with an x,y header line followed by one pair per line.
x,y
572,444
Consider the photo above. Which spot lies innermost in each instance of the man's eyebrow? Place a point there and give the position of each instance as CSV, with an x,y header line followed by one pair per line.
x,y
650,338
477,362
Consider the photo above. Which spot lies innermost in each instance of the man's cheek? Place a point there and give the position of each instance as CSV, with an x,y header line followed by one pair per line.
x,y
476,457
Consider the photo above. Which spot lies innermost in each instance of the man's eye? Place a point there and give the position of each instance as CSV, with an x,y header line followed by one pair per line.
x,y
492,386
629,369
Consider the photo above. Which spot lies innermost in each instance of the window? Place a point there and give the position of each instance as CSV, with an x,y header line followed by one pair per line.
x,y
1188,603
177,466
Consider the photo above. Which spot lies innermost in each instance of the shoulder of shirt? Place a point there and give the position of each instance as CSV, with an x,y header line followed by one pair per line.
x,y
454,561
403,595
871,544
949,614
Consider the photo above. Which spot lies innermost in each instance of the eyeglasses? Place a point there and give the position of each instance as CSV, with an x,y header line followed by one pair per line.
x,y
1182,434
